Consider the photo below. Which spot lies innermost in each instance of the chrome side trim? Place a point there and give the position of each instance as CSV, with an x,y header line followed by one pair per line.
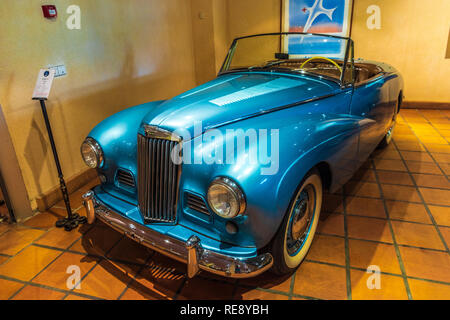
x,y
189,252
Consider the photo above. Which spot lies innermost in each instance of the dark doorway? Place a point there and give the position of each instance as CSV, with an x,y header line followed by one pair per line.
x,y
6,210
15,204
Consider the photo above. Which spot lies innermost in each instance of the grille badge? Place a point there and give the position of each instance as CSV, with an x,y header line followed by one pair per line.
x,y
158,133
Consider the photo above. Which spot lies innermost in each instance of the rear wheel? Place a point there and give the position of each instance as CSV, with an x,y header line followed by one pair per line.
x,y
390,133
294,238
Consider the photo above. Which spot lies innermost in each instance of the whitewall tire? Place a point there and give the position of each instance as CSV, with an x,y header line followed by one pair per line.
x,y
295,236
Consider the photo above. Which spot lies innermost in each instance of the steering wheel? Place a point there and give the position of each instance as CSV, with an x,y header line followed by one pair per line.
x,y
322,58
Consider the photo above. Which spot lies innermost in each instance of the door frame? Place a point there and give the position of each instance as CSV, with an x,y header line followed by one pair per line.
x,y
6,198
12,183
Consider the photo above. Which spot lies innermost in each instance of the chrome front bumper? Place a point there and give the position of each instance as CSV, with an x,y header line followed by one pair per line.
x,y
189,252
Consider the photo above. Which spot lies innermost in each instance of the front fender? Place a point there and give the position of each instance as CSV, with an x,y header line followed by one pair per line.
x,y
117,135
305,139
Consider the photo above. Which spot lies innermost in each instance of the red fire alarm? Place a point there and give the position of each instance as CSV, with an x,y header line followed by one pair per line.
x,y
49,11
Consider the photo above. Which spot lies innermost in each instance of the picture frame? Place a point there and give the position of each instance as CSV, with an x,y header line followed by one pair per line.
x,y
331,17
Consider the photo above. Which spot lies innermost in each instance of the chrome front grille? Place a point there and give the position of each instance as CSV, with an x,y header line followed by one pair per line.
x,y
158,179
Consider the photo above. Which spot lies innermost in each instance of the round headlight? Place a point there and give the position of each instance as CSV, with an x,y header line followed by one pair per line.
x,y
92,153
226,198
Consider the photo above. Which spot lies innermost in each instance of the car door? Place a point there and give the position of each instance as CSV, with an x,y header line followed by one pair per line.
x,y
369,102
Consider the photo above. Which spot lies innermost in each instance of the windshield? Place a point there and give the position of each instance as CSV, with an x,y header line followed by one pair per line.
x,y
314,54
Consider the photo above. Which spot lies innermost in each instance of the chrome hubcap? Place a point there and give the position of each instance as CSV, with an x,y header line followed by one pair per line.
x,y
300,221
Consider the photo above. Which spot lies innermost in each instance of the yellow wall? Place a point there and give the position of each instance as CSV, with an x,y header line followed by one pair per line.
x,y
203,40
246,17
413,38
222,41
211,39
126,53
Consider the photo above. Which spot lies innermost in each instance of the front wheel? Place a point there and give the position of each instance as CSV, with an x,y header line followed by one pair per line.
x,y
294,238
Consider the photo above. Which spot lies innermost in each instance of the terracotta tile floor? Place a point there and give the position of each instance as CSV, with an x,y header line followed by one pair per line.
x,y
394,214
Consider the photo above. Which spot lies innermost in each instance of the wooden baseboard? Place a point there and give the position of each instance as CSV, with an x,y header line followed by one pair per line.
x,y
49,199
425,105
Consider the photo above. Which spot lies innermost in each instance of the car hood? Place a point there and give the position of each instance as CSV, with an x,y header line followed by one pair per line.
x,y
236,96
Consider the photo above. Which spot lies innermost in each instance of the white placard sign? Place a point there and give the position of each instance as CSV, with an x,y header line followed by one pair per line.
x,y
43,84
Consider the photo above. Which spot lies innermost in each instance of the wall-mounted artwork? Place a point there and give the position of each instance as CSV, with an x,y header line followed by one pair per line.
x,y
316,16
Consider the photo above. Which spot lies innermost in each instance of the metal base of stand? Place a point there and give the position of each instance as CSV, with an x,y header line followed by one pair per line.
x,y
71,223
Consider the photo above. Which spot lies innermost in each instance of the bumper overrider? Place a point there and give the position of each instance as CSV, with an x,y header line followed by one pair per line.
x,y
189,252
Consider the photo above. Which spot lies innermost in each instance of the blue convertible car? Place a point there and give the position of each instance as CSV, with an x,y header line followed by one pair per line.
x,y
228,177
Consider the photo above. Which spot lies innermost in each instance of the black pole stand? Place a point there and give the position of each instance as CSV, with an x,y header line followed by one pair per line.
x,y
73,219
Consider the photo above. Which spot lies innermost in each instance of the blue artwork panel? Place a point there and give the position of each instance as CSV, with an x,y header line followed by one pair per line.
x,y
317,16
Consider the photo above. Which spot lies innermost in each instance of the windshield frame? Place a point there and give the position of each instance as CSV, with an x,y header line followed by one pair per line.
x,y
349,56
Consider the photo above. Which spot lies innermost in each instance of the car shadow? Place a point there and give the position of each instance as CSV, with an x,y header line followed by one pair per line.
x,y
157,276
